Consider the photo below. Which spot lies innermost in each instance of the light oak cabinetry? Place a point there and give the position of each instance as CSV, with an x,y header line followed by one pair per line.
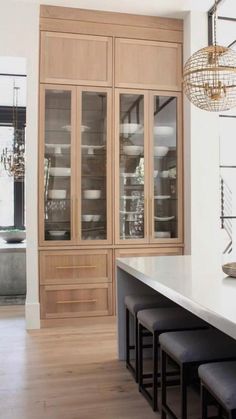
x,y
110,152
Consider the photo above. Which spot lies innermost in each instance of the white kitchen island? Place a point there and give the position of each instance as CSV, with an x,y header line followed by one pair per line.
x,y
199,287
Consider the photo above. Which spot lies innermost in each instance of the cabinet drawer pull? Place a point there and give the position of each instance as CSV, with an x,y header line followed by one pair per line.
x,y
76,301
77,267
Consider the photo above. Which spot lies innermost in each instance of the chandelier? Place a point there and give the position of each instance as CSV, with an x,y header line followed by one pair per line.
x,y
13,160
209,78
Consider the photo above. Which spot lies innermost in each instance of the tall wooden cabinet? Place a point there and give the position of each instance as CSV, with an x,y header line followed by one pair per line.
x,y
110,153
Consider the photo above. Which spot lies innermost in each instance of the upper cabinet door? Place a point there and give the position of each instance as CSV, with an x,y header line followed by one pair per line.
x,y
57,168
94,166
166,167
148,64
131,156
76,59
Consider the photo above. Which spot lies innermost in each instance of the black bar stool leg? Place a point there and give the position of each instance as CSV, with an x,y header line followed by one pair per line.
x,y
127,337
155,372
140,355
136,350
203,402
183,393
163,384
232,414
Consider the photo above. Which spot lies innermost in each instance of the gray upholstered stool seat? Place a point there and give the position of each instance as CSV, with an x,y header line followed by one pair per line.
x,y
190,349
157,321
198,346
133,304
220,381
173,318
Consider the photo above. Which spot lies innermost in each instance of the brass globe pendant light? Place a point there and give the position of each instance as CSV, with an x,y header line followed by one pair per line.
x,y
209,78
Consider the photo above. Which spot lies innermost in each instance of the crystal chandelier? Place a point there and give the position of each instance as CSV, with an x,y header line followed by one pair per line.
x,y
209,78
13,160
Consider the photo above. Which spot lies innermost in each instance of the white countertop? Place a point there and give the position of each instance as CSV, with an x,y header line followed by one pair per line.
x,y
12,247
199,287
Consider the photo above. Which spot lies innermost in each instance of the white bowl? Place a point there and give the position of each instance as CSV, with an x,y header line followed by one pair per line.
x,y
160,150
60,171
133,150
162,234
57,194
13,236
130,128
57,233
163,130
87,217
92,193
164,174
155,173
96,217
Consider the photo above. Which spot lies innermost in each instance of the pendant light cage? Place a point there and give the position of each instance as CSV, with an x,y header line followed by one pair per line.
x,y
209,79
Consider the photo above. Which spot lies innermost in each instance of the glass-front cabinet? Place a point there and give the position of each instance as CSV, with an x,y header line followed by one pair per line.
x,y
76,157
148,146
131,155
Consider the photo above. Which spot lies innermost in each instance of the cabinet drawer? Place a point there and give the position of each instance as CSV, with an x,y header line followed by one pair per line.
x,y
71,267
76,59
151,251
75,301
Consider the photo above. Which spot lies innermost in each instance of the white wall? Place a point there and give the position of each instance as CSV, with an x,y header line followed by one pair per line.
x,y
202,192
19,29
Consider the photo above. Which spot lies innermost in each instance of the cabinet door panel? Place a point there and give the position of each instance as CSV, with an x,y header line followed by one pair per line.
x,y
76,59
148,64
57,168
94,149
166,167
131,155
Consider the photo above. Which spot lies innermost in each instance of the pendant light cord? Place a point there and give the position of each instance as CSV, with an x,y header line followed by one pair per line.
x,y
215,18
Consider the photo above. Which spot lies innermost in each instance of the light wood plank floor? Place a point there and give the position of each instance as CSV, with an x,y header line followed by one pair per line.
x,y
68,373
64,373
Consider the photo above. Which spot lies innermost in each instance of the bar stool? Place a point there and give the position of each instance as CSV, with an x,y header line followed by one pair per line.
x,y
133,304
189,350
218,381
157,321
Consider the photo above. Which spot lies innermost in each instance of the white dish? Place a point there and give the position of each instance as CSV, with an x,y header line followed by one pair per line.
x,y
162,234
132,150
58,147
96,217
133,197
67,128
128,175
130,128
92,193
57,194
129,212
57,233
162,197
164,174
91,148
60,171
84,128
164,218
160,151
163,130
87,217
155,173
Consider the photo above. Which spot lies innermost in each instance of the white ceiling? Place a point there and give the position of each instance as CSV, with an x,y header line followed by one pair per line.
x,y
167,8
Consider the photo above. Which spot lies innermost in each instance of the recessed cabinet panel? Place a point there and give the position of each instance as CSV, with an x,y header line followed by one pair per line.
x,y
76,59
148,64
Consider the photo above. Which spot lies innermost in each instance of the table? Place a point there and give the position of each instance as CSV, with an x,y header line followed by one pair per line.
x,y
201,288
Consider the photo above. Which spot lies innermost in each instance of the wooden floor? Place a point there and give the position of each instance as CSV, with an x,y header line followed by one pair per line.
x,y
64,373
67,373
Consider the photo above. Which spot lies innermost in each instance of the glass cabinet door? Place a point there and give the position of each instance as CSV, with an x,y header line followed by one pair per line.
x,y
165,208
57,164
95,151
131,166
